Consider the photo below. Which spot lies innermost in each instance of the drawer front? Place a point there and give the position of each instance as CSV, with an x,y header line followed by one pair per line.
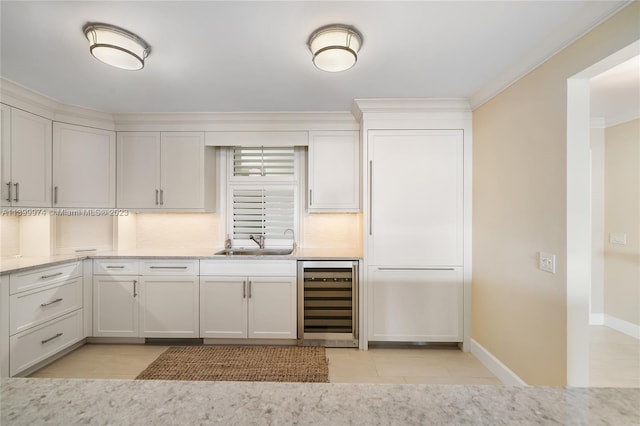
x,y
279,268
31,308
39,343
169,267
22,281
115,267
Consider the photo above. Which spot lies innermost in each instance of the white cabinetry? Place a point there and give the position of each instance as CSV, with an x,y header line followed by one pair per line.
x,y
417,200
168,170
45,314
334,171
237,306
415,305
84,167
25,159
145,299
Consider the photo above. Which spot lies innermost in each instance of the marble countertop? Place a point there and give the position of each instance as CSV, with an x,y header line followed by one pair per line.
x,y
130,402
23,263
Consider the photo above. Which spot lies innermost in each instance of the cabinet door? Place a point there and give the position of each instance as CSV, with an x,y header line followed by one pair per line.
x,y
138,170
272,307
223,307
182,170
30,160
5,153
415,305
416,197
115,306
169,307
334,172
84,167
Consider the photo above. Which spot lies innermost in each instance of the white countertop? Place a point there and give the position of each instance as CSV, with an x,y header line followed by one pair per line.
x,y
150,402
17,264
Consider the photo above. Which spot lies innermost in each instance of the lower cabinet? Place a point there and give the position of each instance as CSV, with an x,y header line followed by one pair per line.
x,y
169,307
248,307
160,304
415,305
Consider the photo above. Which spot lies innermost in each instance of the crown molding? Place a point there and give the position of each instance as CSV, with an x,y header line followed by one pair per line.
x,y
593,14
361,106
597,123
232,121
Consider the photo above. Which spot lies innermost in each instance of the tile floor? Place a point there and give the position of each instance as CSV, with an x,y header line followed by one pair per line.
x,y
614,358
614,362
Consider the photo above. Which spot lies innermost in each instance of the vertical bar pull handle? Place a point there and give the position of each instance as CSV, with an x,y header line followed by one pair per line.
x,y
135,289
310,196
249,289
244,289
370,197
157,193
17,198
55,195
162,197
9,191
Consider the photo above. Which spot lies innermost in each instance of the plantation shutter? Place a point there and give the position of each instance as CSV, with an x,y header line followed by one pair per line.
x,y
263,161
263,211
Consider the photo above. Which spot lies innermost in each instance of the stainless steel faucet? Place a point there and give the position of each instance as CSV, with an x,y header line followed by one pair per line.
x,y
258,239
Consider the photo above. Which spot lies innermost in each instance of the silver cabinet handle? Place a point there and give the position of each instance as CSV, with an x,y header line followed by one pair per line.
x,y
135,289
51,338
157,202
168,267
416,269
52,302
17,198
114,267
55,195
311,197
9,191
162,197
244,289
370,197
44,277
85,250
249,289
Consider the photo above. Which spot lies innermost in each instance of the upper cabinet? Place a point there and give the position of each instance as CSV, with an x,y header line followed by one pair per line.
x,y
334,172
25,159
84,167
165,170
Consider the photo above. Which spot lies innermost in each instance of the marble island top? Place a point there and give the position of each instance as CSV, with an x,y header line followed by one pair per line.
x,y
130,402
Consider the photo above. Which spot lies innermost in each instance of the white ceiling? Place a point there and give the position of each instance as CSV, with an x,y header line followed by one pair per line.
x,y
215,56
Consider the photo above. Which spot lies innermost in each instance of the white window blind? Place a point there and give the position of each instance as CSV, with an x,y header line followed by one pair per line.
x,y
263,161
263,211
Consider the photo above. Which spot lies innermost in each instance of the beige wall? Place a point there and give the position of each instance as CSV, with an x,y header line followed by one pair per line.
x,y
519,198
597,221
622,215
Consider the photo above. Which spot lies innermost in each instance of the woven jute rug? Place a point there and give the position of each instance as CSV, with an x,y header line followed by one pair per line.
x,y
240,363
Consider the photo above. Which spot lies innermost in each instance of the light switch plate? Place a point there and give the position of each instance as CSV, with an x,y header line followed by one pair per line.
x,y
547,262
618,238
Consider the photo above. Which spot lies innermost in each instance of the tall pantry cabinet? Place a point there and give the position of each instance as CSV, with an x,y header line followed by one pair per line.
x,y
417,195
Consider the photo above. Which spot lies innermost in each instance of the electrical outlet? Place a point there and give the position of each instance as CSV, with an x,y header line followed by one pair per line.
x,y
547,262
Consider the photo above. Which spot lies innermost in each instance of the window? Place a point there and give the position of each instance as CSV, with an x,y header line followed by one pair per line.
x,y
263,161
262,194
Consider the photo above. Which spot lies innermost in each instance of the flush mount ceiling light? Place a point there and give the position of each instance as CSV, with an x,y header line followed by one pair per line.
x,y
116,46
335,47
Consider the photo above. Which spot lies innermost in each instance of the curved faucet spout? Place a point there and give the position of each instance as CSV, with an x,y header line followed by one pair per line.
x,y
258,239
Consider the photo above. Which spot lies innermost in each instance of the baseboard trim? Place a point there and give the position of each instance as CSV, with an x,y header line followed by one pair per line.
x,y
596,319
494,365
625,327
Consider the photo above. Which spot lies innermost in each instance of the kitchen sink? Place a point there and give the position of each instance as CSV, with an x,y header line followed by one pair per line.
x,y
255,252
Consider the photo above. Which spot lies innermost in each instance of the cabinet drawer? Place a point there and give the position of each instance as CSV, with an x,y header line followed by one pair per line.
x,y
22,281
35,307
39,343
286,268
115,267
169,267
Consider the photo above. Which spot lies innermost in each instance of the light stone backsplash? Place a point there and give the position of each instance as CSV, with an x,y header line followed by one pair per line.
x,y
333,230
9,236
178,230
